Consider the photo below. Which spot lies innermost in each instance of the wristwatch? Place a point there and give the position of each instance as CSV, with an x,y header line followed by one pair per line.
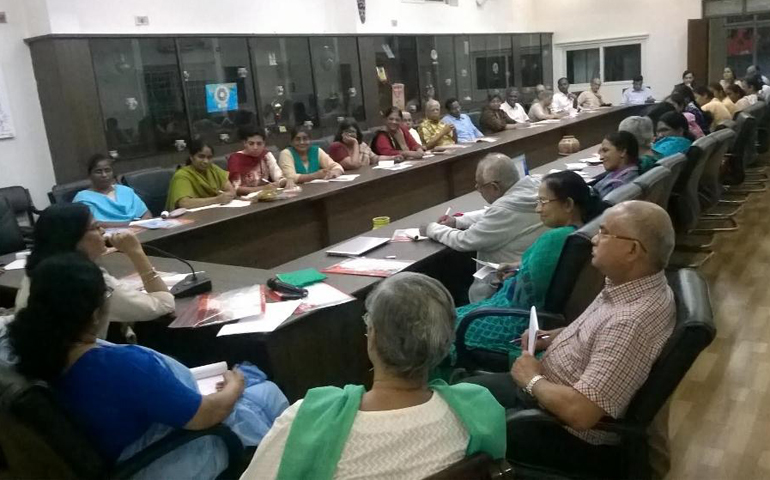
x,y
532,383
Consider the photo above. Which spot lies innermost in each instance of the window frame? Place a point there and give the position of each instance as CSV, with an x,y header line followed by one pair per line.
x,y
564,47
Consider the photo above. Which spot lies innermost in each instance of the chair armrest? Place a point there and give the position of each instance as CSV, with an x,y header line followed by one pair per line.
x,y
127,468
462,349
530,415
606,424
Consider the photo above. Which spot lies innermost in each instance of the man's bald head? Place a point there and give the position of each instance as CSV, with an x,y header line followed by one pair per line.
x,y
651,225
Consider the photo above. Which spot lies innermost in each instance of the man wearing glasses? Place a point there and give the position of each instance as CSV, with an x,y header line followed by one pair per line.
x,y
593,367
500,233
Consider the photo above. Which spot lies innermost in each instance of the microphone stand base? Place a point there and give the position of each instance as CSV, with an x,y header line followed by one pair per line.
x,y
192,285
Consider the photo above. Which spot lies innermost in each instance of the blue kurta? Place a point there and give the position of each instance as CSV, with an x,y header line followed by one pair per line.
x,y
127,205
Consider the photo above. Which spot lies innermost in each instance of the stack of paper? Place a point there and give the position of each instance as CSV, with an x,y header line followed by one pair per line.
x,y
208,376
275,314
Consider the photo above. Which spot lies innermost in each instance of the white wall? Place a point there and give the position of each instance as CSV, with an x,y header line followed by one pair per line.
x,y
25,159
664,21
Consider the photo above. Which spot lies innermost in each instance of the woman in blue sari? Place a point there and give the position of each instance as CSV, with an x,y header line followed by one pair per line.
x,y
565,202
125,397
111,204
673,135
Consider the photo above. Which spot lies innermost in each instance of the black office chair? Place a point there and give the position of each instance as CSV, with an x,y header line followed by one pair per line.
x,y
763,130
693,332
479,466
629,191
684,205
323,143
737,160
11,238
656,185
65,192
152,186
715,217
475,117
21,204
758,112
675,164
39,439
574,286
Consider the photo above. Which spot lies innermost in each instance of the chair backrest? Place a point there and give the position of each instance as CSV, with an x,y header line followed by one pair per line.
x,y
575,281
629,191
65,192
475,117
710,185
479,466
21,203
11,238
737,160
757,111
675,164
38,438
323,143
152,186
763,131
274,150
656,185
693,332
684,205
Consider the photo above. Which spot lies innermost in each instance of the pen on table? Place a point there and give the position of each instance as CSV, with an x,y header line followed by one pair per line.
x,y
517,341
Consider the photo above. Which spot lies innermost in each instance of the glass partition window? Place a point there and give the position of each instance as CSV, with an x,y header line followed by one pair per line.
x,y
140,92
464,81
622,62
337,79
285,82
582,65
398,80
218,80
436,62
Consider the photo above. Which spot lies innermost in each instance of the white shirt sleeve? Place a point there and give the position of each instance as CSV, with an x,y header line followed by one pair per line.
x,y
276,174
129,305
491,231
266,461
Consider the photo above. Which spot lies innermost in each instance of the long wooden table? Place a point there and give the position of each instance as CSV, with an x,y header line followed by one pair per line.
x,y
270,234
325,347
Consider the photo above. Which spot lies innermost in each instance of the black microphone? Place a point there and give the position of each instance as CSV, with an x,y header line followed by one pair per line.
x,y
193,284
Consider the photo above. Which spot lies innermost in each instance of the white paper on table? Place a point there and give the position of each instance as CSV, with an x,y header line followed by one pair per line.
x,y
16,264
533,328
275,314
208,376
399,166
537,124
487,139
402,234
428,155
483,272
575,166
496,266
344,178
319,180
322,295
215,205
550,120
385,164
591,160
554,170
237,204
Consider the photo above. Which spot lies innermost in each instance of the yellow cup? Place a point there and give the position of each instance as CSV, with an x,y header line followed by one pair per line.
x,y
379,222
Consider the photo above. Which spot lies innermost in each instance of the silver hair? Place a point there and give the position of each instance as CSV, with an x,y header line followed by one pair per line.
x,y
651,225
639,127
413,318
431,102
496,167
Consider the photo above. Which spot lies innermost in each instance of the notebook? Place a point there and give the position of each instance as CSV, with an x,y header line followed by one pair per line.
x,y
357,246
208,376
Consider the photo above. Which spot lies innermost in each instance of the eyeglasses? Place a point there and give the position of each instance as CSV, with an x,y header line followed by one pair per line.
x,y
604,234
545,201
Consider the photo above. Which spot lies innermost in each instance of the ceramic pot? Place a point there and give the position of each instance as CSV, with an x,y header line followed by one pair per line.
x,y
569,145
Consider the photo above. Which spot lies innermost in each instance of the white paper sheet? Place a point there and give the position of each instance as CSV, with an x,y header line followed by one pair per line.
x,y
386,163
344,178
533,328
237,204
16,264
398,166
208,376
575,166
319,180
554,170
483,272
487,264
216,205
487,139
405,234
275,314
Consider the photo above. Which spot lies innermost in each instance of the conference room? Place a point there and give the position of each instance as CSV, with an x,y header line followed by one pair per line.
x,y
397,239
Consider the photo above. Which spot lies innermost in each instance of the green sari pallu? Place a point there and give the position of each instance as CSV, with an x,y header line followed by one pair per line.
x,y
312,161
321,428
524,290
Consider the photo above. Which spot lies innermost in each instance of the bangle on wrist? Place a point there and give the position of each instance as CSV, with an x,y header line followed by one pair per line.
x,y
532,383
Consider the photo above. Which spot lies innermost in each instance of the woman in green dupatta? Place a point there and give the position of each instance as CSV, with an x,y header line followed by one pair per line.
x,y
564,203
404,427
200,182
303,163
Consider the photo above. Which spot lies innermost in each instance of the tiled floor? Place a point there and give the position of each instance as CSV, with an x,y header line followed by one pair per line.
x,y
720,415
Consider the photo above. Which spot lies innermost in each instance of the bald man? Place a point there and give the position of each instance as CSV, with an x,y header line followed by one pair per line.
x,y
594,367
433,132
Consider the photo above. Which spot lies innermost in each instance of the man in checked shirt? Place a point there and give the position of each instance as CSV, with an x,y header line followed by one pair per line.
x,y
593,367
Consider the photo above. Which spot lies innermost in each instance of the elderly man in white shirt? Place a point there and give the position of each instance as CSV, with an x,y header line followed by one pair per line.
x,y
500,233
638,94
512,107
563,100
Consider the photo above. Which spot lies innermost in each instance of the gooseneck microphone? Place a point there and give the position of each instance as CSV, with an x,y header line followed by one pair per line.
x,y
193,284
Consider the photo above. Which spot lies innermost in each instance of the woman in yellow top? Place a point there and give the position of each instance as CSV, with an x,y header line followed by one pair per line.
x,y
200,182
302,162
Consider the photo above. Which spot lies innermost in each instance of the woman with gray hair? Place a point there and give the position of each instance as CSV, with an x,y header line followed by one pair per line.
x,y
641,128
405,426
